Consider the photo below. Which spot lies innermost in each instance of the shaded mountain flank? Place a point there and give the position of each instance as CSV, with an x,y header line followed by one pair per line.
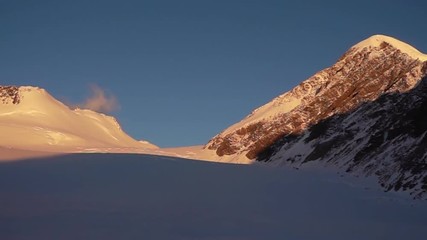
x,y
386,138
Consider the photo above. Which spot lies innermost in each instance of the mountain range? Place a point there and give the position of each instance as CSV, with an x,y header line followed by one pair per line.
x,y
364,115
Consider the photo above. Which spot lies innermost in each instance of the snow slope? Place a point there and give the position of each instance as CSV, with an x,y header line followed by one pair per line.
x,y
123,196
31,119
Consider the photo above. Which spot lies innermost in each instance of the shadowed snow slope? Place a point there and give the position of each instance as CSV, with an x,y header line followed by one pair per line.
x,y
123,196
30,118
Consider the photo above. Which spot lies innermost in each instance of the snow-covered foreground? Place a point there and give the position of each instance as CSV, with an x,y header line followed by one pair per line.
x,y
125,196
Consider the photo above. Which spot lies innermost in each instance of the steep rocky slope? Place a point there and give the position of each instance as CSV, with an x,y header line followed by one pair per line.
x,y
366,114
375,66
386,138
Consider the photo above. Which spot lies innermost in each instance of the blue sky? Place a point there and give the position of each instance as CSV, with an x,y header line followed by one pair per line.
x,y
182,71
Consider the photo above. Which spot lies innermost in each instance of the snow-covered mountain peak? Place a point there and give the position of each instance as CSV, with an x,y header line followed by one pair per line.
x,y
25,98
30,118
377,41
365,113
367,70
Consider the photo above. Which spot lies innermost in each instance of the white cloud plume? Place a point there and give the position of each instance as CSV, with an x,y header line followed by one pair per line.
x,y
100,101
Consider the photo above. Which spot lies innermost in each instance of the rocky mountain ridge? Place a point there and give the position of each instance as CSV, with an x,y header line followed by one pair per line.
x,y
362,74
365,115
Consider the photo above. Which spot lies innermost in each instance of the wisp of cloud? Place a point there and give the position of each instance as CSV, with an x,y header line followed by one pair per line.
x,y
100,101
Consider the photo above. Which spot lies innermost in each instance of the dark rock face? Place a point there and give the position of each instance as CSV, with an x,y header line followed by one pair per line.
x,y
386,138
9,94
361,75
